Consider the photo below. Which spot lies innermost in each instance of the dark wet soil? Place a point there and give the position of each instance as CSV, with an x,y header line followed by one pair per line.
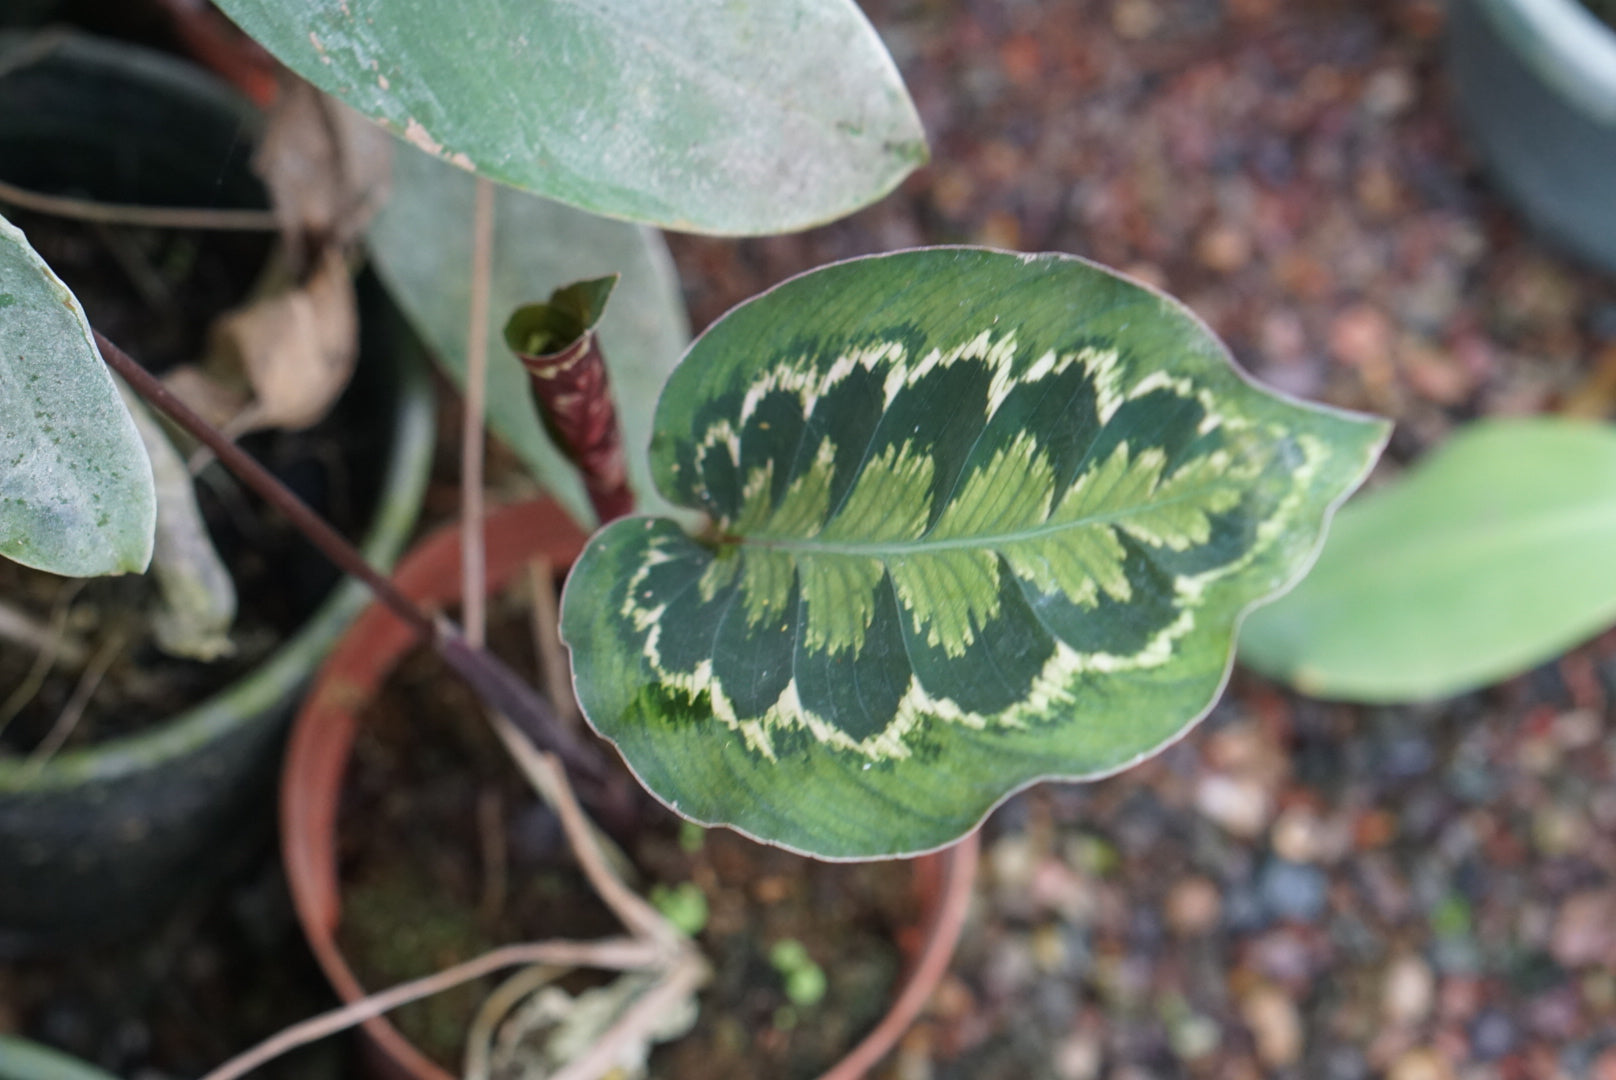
x,y
446,853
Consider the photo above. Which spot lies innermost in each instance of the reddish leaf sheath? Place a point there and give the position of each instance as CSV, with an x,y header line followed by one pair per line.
x,y
557,343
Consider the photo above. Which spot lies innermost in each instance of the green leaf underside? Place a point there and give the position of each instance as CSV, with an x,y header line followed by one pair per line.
x,y
978,519
76,495
1490,557
421,242
723,116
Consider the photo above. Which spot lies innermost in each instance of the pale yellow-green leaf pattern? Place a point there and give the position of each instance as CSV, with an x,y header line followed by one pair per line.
x,y
976,518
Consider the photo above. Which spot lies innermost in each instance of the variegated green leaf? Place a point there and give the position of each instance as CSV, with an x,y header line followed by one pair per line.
x,y
978,519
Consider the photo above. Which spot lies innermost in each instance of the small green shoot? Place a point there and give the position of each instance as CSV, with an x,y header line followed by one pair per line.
x,y
684,905
805,980
692,837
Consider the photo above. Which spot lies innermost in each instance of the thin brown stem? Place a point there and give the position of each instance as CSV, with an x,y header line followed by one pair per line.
x,y
68,719
495,856
546,775
46,639
959,879
552,655
611,954
495,683
473,563
210,219
295,510
53,650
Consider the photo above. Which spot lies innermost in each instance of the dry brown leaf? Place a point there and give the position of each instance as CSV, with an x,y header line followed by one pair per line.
x,y
210,397
325,166
297,348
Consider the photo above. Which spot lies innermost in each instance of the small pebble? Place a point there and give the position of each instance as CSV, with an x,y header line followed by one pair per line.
x,y
1421,1064
1193,906
1223,248
1361,337
1492,1035
1585,933
1345,1063
1409,990
1293,891
1242,806
1078,1057
1135,19
1195,1037
1301,836
1388,92
1275,1026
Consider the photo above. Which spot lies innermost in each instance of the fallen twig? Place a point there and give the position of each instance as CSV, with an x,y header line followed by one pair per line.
x,y
20,628
472,561
210,219
73,711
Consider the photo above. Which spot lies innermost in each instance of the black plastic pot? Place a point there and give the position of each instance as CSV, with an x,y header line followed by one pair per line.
x,y
98,842
1536,81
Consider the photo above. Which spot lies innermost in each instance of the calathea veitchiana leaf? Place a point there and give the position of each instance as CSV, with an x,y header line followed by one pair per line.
x,y
977,519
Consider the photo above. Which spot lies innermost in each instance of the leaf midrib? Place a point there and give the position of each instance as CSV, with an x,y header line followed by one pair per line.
x,y
1442,551
922,545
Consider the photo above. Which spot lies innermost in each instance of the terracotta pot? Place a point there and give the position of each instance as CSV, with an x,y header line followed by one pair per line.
x,y
322,742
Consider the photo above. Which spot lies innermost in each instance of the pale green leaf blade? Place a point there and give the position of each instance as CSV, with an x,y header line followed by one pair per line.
x,y
979,519
703,116
76,495
421,243
1494,555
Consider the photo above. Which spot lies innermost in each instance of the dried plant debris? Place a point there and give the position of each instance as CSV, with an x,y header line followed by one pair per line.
x,y
551,1028
325,166
296,348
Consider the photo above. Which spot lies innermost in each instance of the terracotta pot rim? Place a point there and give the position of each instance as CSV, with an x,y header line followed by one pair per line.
x,y
322,740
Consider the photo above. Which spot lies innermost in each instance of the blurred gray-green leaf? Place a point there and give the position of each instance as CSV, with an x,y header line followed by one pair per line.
x,y
1492,556
76,495
720,116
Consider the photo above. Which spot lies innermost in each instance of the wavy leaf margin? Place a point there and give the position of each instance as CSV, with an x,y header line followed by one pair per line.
x,y
883,409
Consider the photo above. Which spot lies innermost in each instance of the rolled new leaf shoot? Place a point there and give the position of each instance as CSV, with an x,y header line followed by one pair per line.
x,y
557,343
977,519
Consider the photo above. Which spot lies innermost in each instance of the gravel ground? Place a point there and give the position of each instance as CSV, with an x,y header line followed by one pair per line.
x,y
1297,889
